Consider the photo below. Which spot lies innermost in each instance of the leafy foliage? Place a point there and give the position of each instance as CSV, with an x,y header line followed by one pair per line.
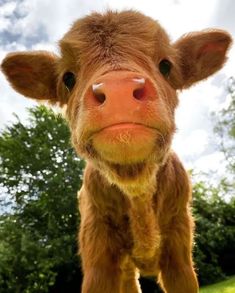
x,y
225,130
215,249
40,174
215,233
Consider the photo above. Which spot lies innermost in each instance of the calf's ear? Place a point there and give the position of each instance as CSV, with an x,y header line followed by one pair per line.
x,y
32,74
201,54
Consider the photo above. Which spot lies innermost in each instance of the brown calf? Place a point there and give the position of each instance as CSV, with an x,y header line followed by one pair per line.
x,y
117,76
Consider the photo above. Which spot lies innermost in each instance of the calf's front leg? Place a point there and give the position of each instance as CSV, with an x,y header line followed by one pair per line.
x,y
101,258
100,261
101,248
177,272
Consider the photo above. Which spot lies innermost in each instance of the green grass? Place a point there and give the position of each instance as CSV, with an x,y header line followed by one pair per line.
x,y
227,286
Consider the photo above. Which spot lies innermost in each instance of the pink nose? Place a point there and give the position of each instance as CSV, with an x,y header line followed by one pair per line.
x,y
120,89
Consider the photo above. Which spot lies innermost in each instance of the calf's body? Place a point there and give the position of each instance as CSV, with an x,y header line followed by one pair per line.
x,y
152,233
118,76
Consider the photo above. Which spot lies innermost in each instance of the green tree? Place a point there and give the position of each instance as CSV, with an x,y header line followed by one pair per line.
x,y
225,131
215,233
39,175
214,207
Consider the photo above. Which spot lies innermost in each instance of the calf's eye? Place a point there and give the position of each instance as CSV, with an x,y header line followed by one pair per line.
x,y
165,67
69,80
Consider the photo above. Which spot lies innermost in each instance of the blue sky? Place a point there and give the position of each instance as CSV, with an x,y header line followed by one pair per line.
x,y
39,24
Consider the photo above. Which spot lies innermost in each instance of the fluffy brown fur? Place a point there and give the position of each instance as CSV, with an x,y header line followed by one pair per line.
x,y
135,198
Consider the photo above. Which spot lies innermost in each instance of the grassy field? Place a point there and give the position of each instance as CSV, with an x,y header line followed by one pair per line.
x,y
227,286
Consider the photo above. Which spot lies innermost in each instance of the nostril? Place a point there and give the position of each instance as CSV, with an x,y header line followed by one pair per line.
x,y
100,97
139,94
139,91
98,93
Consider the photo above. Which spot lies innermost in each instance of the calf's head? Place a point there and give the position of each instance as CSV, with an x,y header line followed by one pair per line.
x,y
118,76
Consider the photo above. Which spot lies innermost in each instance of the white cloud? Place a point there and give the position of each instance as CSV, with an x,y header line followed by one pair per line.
x,y
45,46
55,17
196,105
229,68
213,163
7,9
192,145
4,23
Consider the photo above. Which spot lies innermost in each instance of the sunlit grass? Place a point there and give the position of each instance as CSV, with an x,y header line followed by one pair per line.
x,y
227,286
